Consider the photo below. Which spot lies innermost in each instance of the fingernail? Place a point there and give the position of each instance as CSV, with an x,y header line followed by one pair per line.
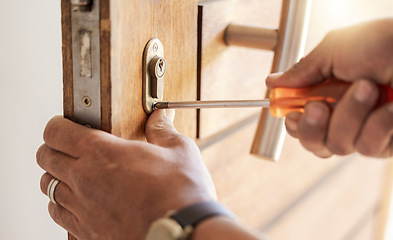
x,y
314,114
170,113
275,75
272,78
363,91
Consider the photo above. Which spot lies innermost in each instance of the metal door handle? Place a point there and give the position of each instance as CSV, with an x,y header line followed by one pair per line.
x,y
288,42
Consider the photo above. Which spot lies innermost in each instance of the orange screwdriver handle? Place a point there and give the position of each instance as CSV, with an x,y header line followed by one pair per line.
x,y
286,100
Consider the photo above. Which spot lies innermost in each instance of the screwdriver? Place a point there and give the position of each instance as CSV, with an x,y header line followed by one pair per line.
x,y
283,101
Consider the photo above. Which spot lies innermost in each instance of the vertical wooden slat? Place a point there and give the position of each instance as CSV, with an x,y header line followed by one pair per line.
x,y
105,54
68,96
228,72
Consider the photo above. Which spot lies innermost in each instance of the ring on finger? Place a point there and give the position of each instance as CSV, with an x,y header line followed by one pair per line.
x,y
51,189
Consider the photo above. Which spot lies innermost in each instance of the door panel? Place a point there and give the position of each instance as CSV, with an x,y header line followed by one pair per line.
x,y
133,24
231,72
339,207
283,199
125,28
300,197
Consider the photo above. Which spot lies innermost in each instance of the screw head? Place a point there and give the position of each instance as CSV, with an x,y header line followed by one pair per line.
x,y
155,47
86,101
81,5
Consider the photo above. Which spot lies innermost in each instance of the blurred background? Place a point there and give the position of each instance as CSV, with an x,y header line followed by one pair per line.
x,y
31,93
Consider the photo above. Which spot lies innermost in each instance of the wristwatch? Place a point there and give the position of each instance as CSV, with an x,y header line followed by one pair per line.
x,y
179,225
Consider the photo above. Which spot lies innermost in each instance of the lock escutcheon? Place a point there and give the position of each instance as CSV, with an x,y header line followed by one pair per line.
x,y
154,68
157,72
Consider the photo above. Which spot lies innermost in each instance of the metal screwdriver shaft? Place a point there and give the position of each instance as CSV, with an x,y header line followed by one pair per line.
x,y
212,104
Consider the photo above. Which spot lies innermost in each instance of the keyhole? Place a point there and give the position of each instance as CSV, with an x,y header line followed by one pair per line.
x,y
161,65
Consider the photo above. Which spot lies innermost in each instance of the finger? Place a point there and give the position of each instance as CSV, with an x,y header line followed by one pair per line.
x,y
312,128
64,218
375,139
312,69
160,130
349,115
63,193
292,122
56,163
65,136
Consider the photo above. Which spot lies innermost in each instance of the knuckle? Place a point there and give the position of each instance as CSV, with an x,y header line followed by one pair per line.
x,y
64,218
98,148
331,35
51,129
311,146
92,141
53,212
74,140
310,137
44,183
41,153
364,148
184,142
82,183
339,148
61,195
323,153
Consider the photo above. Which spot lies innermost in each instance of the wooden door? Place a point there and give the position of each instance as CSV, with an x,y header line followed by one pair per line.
x,y
125,28
300,197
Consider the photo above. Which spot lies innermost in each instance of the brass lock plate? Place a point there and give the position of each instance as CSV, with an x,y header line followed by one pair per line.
x,y
154,68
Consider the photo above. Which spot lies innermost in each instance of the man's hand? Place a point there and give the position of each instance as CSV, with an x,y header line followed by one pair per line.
x,y
362,54
113,188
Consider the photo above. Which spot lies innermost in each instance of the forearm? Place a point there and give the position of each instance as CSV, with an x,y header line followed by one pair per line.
x,y
221,228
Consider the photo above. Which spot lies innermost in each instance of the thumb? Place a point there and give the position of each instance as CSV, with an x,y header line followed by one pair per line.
x,y
159,128
316,67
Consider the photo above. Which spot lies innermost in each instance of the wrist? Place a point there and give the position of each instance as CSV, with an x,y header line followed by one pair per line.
x,y
180,225
222,228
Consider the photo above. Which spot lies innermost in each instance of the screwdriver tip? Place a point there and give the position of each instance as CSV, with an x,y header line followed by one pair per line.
x,y
160,105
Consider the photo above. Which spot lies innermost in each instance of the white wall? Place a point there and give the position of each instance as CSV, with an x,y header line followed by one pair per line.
x,y
31,93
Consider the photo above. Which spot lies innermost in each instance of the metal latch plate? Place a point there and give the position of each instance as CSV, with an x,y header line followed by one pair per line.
x,y
153,49
86,65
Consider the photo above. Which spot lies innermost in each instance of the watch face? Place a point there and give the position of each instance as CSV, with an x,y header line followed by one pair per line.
x,y
165,229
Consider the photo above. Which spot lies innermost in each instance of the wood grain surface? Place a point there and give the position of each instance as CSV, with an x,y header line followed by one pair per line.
x,y
105,63
336,207
125,28
299,197
282,199
68,96
133,24
231,72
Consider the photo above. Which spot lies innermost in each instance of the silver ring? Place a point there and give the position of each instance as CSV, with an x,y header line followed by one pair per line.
x,y
51,189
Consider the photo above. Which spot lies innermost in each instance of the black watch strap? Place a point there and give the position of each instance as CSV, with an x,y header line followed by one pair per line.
x,y
194,214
